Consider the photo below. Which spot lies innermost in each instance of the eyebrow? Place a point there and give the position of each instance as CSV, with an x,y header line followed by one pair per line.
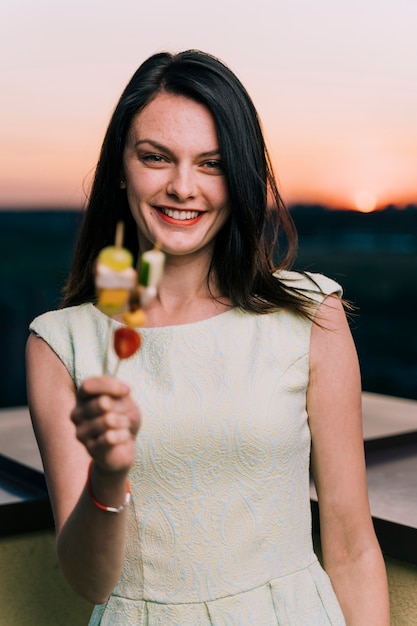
x,y
162,148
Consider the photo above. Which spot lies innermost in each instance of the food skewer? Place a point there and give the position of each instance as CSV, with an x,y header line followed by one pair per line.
x,y
120,292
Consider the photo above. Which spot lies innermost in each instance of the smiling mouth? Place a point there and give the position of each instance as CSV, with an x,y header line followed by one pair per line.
x,y
174,216
180,215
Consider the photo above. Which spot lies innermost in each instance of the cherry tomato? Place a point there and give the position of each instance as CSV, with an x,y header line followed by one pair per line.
x,y
126,342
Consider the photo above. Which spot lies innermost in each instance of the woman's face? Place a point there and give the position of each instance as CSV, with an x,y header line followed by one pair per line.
x,y
173,174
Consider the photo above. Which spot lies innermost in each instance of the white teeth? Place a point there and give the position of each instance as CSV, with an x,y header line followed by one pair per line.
x,y
180,215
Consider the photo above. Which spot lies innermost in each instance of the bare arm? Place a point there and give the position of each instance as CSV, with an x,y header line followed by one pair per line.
x,y
100,421
351,553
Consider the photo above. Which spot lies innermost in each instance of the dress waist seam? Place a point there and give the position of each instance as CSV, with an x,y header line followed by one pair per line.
x,y
208,601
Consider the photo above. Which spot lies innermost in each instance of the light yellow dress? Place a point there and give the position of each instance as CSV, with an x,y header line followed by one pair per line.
x,y
220,524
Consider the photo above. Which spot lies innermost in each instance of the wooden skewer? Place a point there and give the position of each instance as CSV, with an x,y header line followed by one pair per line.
x,y
108,346
118,240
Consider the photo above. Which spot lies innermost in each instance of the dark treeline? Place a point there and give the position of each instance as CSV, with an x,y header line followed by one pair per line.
x,y
314,220
374,257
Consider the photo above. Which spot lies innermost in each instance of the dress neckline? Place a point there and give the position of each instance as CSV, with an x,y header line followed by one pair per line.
x,y
218,317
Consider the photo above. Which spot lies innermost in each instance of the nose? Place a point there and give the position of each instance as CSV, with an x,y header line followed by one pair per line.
x,y
182,182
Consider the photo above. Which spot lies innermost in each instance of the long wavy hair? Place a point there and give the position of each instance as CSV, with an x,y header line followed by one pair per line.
x,y
246,246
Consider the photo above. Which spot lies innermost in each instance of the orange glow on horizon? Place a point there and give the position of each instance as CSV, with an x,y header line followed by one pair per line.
x,y
51,166
337,105
341,183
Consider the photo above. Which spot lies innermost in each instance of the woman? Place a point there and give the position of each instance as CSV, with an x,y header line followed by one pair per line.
x,y
240,370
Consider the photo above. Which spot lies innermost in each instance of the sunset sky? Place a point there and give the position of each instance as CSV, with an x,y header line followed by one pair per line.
x,y
334,81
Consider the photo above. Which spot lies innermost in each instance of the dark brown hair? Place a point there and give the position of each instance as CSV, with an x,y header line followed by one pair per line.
x,y
243,257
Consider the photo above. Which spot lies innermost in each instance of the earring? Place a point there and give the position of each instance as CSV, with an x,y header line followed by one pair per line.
x,y
122,184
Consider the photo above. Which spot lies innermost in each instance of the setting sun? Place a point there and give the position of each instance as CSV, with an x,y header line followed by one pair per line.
x,y
365,201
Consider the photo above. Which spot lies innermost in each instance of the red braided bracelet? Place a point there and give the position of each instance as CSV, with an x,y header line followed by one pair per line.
x,y
109,509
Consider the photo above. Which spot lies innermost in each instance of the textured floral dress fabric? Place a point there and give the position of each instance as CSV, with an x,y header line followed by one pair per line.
x,y
220,525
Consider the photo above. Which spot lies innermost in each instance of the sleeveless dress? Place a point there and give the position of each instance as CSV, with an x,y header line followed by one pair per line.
x,y
219,528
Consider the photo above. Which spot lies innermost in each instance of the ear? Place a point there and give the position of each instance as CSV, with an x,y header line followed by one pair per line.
x,y
122,184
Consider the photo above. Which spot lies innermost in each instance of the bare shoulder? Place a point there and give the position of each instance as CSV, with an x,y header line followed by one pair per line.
x,y
41,358
47,379
334,401
334,393
51,398
334,366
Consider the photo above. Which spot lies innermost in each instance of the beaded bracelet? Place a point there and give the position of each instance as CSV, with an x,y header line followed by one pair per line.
x,y
109,509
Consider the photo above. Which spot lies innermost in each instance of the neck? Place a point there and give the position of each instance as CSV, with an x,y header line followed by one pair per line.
x,y
185,295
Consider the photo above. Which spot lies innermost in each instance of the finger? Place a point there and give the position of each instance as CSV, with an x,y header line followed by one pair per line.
x,y
106,441
94,428
102,385
114,437
96,406
87,411
111,443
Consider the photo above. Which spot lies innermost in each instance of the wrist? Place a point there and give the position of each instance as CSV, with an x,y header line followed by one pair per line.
x,y
108,491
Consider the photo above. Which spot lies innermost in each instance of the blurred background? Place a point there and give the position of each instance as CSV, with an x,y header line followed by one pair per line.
x,y
335,84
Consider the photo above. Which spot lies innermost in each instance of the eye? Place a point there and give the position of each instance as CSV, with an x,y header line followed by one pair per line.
x,y
153,158
214,164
